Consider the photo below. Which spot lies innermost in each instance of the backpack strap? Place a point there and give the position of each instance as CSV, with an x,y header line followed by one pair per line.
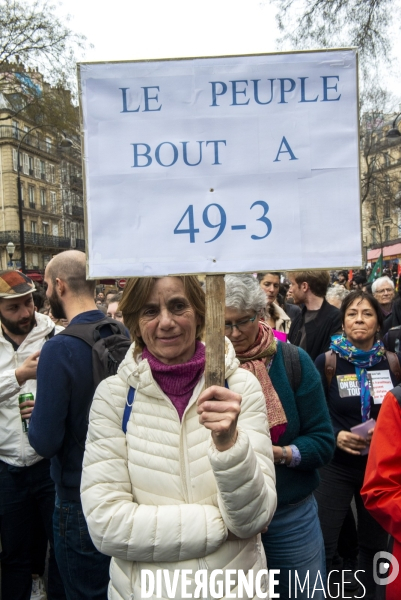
x,y
394,365
330,365
128,408
292,364
89,332
130,402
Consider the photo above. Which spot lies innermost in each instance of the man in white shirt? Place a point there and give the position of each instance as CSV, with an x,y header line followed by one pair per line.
x,y
24,475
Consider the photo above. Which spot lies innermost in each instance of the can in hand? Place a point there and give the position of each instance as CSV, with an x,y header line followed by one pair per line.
x,y
24,398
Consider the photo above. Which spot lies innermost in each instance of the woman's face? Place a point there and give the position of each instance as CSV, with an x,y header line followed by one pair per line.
x,y
247,333
167,323
270,284
360,324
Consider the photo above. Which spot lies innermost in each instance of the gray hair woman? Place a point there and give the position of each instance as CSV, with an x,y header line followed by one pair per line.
x,y
300,429
336,294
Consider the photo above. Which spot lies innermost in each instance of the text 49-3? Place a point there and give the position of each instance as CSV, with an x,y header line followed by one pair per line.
x,y
189,219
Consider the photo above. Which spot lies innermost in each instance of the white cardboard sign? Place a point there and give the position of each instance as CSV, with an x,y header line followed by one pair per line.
x,y
216,165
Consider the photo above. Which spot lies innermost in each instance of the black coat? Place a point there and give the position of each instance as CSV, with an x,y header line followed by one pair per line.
x,y
318,331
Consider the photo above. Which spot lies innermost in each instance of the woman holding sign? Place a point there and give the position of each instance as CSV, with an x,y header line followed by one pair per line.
x,y
356,373
178,481
301,434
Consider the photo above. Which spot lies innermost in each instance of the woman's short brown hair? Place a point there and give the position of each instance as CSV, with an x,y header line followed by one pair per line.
x,y
136,293
360,295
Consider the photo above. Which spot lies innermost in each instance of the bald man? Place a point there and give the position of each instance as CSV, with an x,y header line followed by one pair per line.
x,y
58,424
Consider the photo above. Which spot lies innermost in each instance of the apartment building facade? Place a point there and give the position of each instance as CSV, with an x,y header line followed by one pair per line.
x,y
50,195
381,189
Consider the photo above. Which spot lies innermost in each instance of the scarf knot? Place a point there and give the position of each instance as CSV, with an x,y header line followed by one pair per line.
x,y
362,359
258,359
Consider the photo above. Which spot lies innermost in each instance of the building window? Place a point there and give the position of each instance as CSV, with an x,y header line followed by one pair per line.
x,y
43,170
31,168
387,233
15,159
33,227
52,173
43,197
387,209
31,195
37,168
35,261
48,144
53,201
25,164
374,236
45,228
373,211
15,129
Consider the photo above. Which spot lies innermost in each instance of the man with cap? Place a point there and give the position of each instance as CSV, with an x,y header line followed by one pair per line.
x,y
24,475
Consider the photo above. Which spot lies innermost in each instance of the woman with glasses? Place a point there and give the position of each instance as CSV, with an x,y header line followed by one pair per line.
x,y
301,434
355,374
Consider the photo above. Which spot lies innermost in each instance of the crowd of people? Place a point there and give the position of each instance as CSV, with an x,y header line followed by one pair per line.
x,y
151,472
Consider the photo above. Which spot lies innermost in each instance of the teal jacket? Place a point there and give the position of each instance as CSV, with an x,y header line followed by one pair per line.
x,y
309,428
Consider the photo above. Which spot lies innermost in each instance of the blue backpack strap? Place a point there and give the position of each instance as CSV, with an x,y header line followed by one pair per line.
x,y
226,384
128,408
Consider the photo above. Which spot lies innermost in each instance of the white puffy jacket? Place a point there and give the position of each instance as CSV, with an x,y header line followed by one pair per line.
x,y
14,445
163,496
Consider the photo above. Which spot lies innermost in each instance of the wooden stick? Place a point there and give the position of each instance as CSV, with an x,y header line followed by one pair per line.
x,y
215,348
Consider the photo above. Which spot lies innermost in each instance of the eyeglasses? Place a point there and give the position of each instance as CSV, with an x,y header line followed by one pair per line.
x,y
241,325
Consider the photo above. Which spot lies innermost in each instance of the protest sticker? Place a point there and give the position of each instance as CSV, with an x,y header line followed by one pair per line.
x,y
223,164
381,384
348,386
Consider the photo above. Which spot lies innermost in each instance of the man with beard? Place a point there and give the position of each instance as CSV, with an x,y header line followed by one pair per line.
x,y
59,423
24,476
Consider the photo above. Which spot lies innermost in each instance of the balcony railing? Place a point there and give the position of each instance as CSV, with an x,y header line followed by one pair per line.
x,y
76,182
8,131
36,239
77,211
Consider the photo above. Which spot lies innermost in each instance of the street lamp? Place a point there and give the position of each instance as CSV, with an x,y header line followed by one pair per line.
x,y
10,251
394,132
65,143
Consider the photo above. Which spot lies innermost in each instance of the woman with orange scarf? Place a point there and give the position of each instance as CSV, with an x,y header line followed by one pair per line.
x,y
301,433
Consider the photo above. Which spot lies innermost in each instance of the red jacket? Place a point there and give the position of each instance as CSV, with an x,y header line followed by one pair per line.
x,y
381,491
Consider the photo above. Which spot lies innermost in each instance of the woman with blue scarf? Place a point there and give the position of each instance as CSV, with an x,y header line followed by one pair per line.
x,y
346,372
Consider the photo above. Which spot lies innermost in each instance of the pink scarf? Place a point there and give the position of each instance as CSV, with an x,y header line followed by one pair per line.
x,y
178,381
255,359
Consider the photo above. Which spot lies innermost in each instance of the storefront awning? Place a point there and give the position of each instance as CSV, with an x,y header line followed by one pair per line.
x,y
35,276
393,251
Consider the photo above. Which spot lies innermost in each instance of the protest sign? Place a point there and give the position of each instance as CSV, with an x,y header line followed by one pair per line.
x,y
226,164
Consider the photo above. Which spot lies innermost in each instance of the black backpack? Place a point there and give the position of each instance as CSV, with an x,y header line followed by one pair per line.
x,y
392,339
107,352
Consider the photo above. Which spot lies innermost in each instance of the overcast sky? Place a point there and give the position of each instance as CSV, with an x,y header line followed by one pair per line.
x,y
140,29
134,29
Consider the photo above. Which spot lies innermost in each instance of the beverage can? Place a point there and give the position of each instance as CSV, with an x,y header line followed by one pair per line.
x,y
23,398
